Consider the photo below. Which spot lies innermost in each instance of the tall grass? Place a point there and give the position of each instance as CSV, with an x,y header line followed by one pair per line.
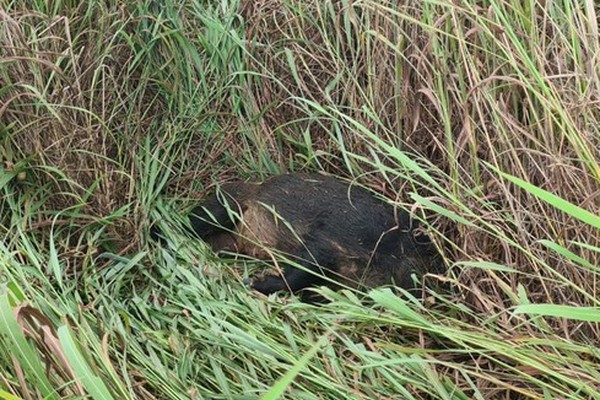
x,y
479,117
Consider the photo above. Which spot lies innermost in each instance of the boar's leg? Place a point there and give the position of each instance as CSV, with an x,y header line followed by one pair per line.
x,y
295,279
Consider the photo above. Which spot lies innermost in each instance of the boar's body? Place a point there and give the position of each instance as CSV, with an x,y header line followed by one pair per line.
x,y
328,227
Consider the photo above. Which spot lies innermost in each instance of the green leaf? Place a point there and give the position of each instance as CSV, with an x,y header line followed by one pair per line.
x,y
485,265
7,396
440,210
569,254
92,384
279,387
553,200
5,177
386,298
13,340
591,314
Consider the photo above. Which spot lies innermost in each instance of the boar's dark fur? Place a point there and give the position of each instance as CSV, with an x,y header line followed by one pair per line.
x,y
328,227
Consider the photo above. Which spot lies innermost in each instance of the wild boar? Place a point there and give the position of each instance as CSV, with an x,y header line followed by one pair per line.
x,y
321,229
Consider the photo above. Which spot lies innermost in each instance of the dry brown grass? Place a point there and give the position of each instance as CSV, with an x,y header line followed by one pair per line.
x,y
63,111
81,97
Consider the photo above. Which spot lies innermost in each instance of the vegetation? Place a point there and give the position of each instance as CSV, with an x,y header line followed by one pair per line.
x,y
481,117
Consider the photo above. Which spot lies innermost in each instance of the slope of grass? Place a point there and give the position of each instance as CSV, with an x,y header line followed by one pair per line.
x,y
480,117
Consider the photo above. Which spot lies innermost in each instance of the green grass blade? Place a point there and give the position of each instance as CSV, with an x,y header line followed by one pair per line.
x,y
7,396
591,314
14,341
280,386
569,255
92,383
552,199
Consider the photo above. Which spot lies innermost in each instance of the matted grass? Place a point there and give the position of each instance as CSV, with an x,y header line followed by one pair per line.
x,y
480,117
